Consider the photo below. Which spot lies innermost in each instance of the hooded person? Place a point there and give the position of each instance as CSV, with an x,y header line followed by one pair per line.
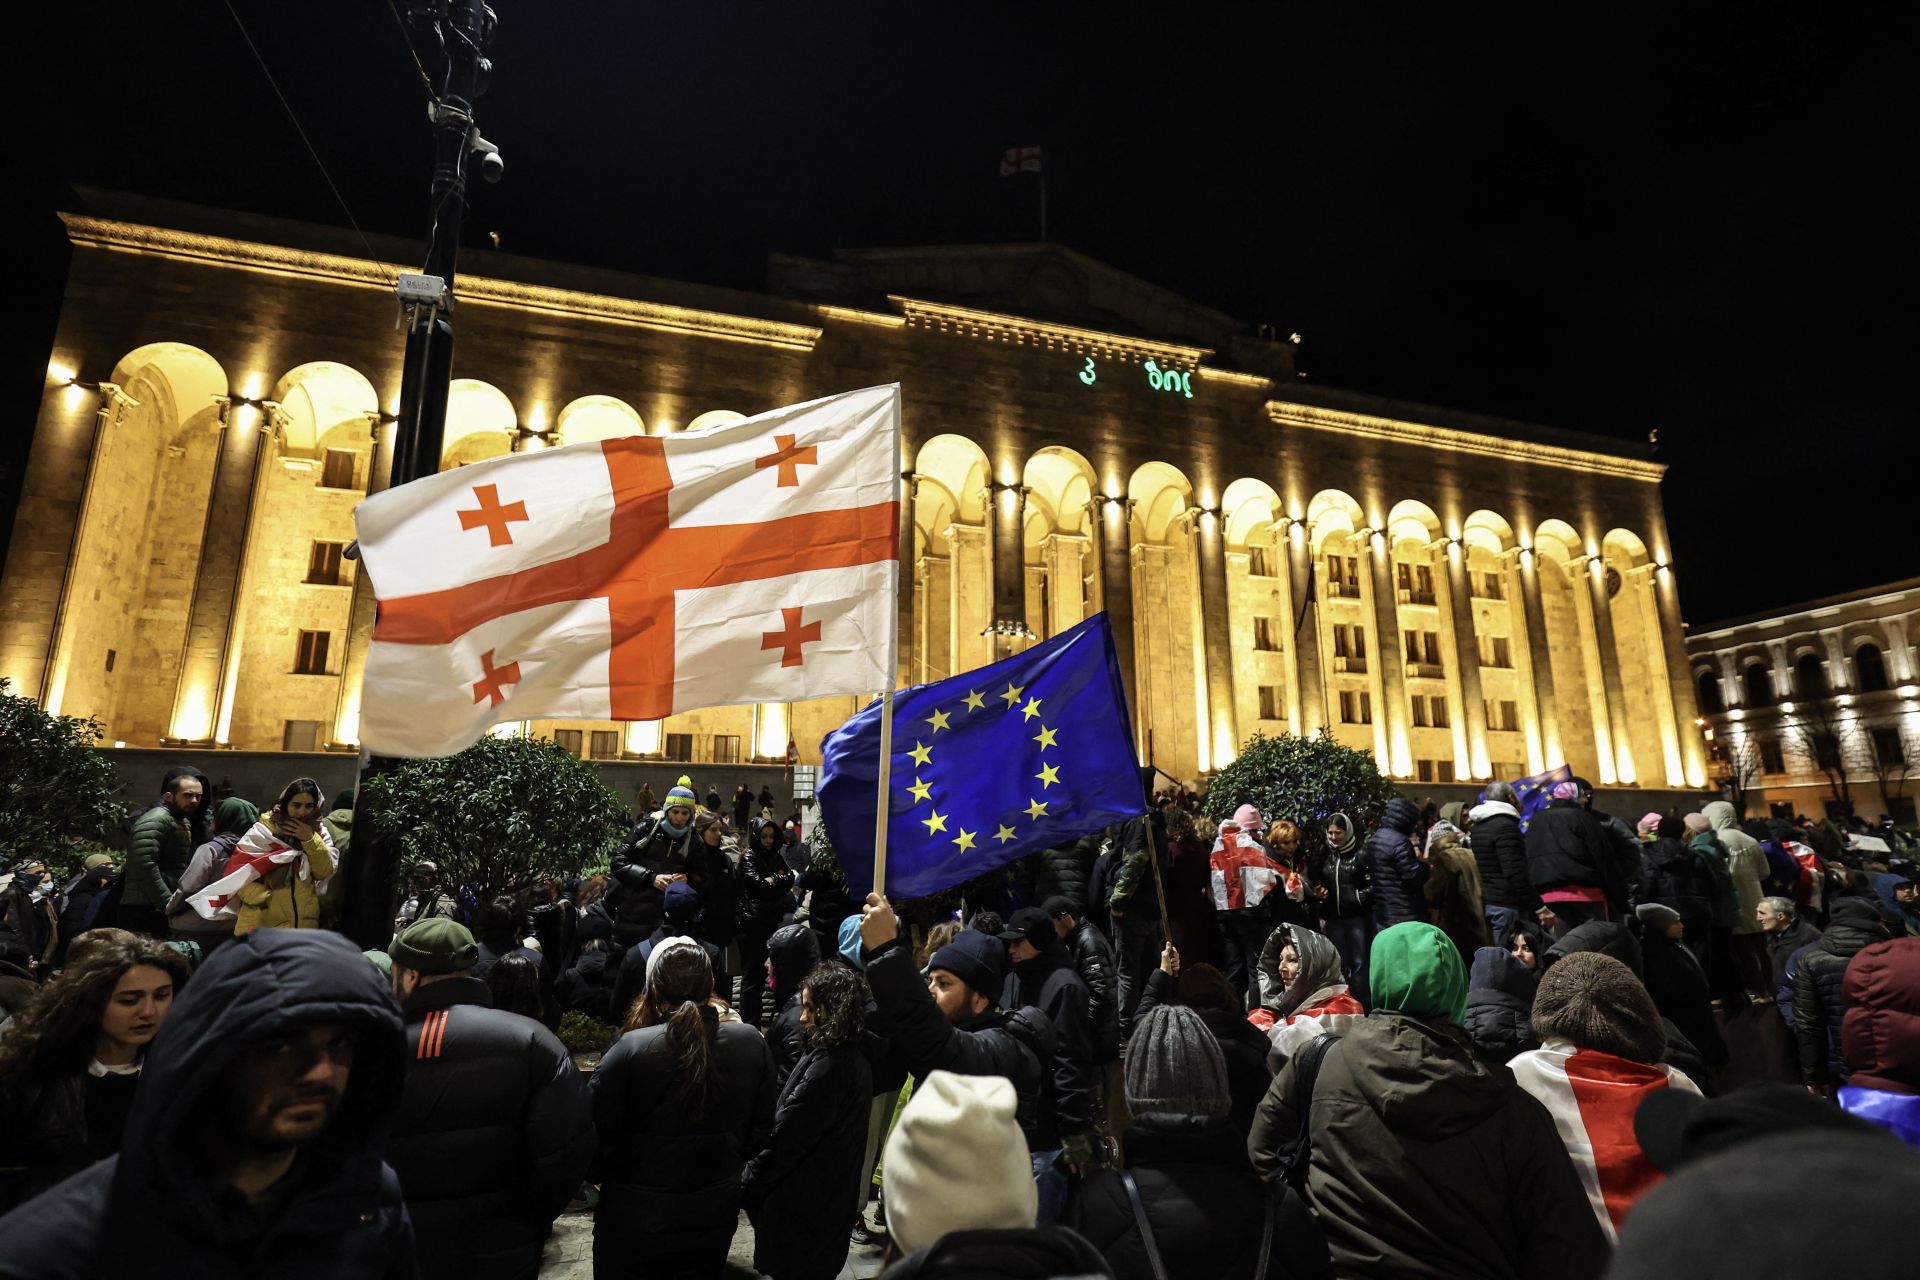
x,y
1345,894
657,852
1452,890
232,819
1043,976
1426,1160
792,953
1499,1018
1880,1033
766,898
1393,869
1677,876
1819,995
1747,864
1599,1058
1302,992
256,1143
1500,850
1203,1208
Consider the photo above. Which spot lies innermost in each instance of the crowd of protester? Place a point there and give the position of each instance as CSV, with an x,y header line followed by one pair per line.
x,y
1453,1041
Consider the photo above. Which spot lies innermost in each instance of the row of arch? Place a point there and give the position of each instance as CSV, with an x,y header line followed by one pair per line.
x,y
1810,676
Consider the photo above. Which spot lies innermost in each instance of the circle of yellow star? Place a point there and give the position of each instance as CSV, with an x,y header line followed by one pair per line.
x,y
1004,834
1048,775
1038,809
1012,695
920,790
964,839
1031,710
1045,738
938,720
974,700
921,754
938,822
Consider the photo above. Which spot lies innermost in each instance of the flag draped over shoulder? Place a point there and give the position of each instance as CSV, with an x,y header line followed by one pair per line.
x,y
1531,795
637,577
259,852
1025,754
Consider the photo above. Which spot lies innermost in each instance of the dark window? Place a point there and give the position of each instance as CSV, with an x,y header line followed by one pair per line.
x,y
1340,649
1756,689
111,655
1343,576
1413,646
310,658
604,745
1826,751
1423,770
323,564
1810,676
1440,720
679,747
1872,668
1260,562
568,740
1266,634
1430,640
1419,711
1772,760
1270,708
339,470
300,735
1355,708
1709,690
1888,750
1488,586
1509,715
726,748
1443,770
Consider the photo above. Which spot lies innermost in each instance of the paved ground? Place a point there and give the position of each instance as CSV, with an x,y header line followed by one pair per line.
x,y
569,1253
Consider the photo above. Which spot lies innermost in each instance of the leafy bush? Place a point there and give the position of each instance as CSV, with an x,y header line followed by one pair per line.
x,y
500,813
58,794
584,1033
1304,780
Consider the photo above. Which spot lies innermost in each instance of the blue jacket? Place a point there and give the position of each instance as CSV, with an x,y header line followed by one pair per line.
x,y
149,1211
1395,872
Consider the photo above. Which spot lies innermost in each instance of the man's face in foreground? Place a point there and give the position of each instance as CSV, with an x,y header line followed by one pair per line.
x,y
287,1089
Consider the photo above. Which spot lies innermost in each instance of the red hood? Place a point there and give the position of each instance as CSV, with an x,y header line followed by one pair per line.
x,y
1880,1032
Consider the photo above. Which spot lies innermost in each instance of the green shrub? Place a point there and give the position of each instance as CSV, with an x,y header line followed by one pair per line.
x,y
584,1033
59,796
1305,780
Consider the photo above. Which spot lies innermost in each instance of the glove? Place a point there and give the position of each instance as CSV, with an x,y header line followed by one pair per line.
x,y
1077,1150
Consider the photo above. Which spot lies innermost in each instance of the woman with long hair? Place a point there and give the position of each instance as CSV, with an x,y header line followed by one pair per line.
x,y
514,981
70,1061
680,1102
804,1190
290,853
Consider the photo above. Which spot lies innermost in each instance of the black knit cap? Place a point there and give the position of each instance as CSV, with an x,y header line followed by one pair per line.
x,y
977,959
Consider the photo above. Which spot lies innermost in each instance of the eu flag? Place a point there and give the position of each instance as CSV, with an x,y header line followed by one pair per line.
x,y
1022,755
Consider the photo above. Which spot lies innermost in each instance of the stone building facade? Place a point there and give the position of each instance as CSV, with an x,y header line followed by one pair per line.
x,y
1815,709
1464,597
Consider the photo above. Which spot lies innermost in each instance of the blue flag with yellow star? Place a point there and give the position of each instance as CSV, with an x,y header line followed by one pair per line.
x,y
1031,752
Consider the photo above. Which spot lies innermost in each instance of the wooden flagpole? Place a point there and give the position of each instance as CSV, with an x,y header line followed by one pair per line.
x,y
880,808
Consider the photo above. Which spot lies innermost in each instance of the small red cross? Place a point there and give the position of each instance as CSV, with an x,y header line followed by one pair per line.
x,y
490,685
493,515
790,637
788,459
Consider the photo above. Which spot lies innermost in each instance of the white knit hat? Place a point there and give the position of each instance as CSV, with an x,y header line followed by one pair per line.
x,y
956,1161
679,942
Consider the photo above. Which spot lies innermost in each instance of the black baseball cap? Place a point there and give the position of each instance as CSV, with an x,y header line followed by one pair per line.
x,y
1029,924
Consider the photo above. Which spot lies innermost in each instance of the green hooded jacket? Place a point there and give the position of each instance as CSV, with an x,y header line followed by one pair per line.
x,y
1414,968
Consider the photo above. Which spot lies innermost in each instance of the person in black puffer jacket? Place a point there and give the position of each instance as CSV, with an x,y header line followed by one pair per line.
x,y
1063,871
588,986
1570,862
766,896
656,853
1818,991
1500,851
1676,876
1093,961
1677,981
496,1123
792,952
1499,1017
1345,894
1392,868
1044,977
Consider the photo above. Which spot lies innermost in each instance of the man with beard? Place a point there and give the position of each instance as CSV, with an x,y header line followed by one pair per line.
x,y
158,850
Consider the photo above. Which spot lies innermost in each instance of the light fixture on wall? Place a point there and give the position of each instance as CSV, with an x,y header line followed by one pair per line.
x,y
527,440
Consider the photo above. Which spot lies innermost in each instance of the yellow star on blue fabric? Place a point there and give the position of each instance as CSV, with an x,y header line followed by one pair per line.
x,y
1012,695
938,822
938,720
964,839
974,700
1004,834
1031,710
1045,738
1038,809
1048,775
921,754
920,790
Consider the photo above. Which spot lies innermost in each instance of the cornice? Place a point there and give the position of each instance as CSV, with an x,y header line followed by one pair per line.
x,y
1454,440
995,326
362,273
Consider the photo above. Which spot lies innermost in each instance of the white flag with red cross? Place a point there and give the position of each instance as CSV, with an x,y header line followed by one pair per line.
x,y
630,579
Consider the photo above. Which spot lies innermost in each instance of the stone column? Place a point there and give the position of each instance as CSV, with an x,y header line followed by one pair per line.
x,y
353,661
1306,690
1643,598
1584,619
1692,763
1063,557
1782,673
1731,694
1471,757
1607,653
268,448
31,545
1535,660
1220,740
935,620
1837,680
972,592
1389,678
1007,517
909,558
1902,652
1110,525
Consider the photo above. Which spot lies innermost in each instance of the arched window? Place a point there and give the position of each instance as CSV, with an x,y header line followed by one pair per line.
x,y
1710,702
1809,676
1872,668
1755,685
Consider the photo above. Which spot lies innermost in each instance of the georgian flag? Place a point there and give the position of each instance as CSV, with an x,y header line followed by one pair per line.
x,y
1242,873
258,853
634,578
1592,1097
1020,160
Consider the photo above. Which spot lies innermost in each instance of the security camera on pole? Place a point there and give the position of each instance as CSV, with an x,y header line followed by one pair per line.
x,y
456,32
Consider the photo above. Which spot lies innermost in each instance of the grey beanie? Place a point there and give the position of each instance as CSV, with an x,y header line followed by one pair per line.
x,y
1656,915
1596,1002
1174,1065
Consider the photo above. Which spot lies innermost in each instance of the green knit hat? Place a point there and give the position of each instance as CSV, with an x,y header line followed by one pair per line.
x,y
436,945
1414,968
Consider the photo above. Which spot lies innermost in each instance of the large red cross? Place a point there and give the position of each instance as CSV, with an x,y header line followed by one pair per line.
x,y
790,637
788,459
493,515
640,566
496,678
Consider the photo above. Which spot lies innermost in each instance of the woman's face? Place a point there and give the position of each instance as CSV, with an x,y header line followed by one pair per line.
x,y
1336,834
138,1005
712,835
1288,846
302,807
1522,948
1289,965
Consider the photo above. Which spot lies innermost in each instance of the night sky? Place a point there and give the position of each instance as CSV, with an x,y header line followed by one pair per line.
x,y
1689,223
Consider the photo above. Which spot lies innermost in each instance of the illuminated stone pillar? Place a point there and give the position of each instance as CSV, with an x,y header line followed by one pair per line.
x,y
85,548
905,624
1389,675
1219,743
1617,754
1063,558
1837,679
1730,695
1902,651
1781,673
268,449
934,619
1111,518
353,664
1306,689
1009,620
972,594
1455,597
1687,764
1535,660
217,575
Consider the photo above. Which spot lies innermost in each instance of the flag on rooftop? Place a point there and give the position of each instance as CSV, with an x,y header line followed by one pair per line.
x,y
638,577
1025,754
1020,160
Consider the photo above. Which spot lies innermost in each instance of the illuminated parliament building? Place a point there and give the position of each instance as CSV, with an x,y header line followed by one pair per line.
x,y
1464,597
